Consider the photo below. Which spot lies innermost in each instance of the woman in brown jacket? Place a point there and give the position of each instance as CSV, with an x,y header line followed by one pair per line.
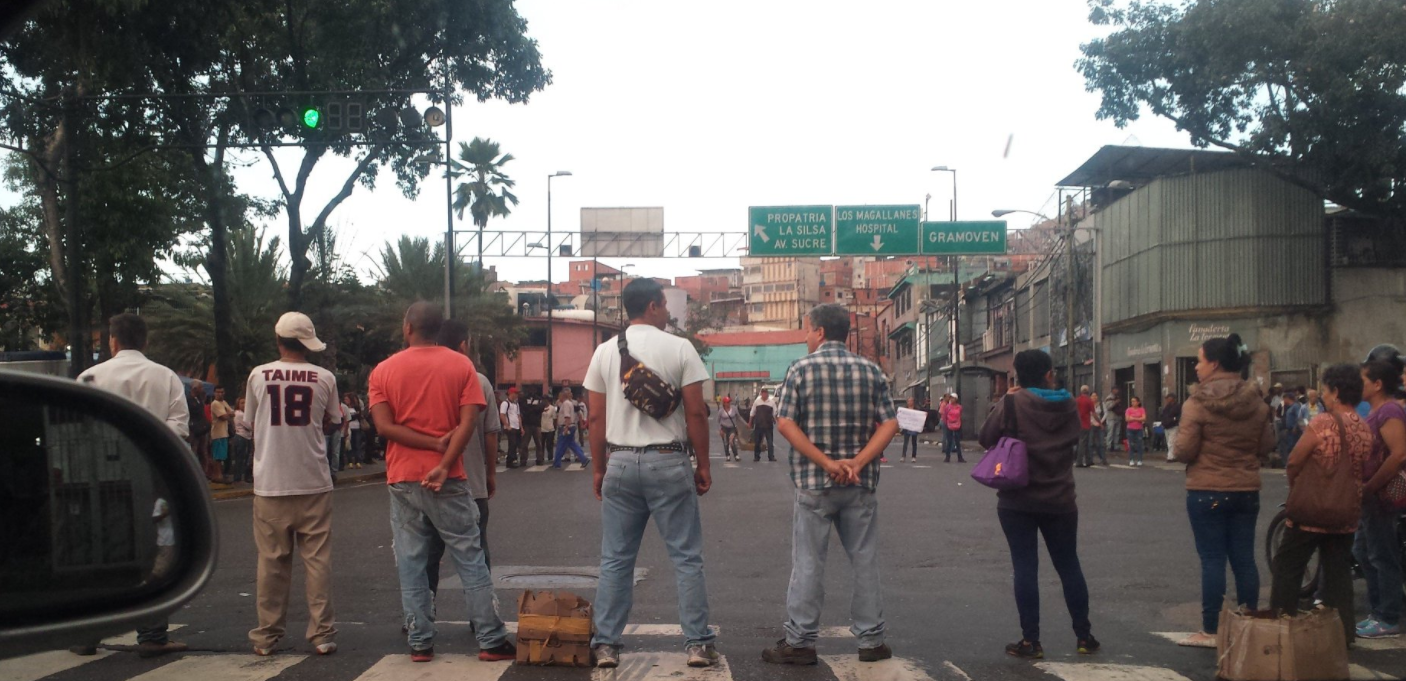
x,y
1225,436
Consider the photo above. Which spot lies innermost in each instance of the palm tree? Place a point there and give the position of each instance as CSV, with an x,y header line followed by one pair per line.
x,y
486,193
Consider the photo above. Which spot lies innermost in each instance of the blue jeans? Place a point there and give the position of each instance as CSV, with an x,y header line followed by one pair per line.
x,y
1224,526
1135,446
1097,444
1061,531
910,439
334,452
952,442
640,484
417,514
568,440
1378,552
854,514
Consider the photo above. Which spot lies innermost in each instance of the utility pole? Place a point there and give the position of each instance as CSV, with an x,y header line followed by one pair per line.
x,y
1068,294
450,254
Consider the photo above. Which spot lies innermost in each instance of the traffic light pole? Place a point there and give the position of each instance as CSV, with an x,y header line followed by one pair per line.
x,y
450,255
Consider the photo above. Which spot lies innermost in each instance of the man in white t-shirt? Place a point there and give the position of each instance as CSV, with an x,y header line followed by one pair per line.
x,y
290,403
158,390
642,470
510,421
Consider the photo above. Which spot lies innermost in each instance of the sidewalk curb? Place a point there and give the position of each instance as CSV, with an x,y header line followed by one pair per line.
x,y
342,480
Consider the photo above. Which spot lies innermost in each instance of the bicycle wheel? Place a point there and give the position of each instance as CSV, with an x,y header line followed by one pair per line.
x,y
1272,539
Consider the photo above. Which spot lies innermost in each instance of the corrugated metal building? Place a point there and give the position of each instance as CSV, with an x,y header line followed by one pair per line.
x,y
1194,244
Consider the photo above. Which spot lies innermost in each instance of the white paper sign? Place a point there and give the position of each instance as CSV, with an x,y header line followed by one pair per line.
x,y
911,420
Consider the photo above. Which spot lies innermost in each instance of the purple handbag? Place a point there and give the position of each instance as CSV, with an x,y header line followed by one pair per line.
x,y
1005,466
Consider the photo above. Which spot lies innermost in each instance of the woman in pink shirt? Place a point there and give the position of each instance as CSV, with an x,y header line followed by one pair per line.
x,y
952,422
1136,417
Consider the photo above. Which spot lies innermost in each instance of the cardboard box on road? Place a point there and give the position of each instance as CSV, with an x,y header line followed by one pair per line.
x,y
554,628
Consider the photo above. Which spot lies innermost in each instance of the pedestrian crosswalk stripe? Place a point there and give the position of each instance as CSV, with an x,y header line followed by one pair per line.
x,y
917,466
441,668
537,469
849,668
1357,672
630,629
731,465
248,667
662,666
502,469
1108,672
956,670
130,638
40,665
835,632
1398,643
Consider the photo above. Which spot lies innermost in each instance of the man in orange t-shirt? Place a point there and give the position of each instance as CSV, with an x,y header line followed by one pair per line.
x,y
425,401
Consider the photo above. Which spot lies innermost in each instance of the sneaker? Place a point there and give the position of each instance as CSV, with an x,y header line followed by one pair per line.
x,y
883,652
783,653
883,459
1088,646
1360,625
1026,649
1199,639
422,654
504,651
327,648
607,656
702,655
84,650
263,652
585,464
1378,629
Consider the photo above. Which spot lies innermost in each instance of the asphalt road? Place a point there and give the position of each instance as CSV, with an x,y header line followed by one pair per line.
x,y
946,583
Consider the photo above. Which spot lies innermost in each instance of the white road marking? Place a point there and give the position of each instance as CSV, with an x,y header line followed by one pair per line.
x,y
1173,636
917,466
1357,672
502,469
1398,643
956,670
130,638
731,465
849,668
441,668
1108,672
630,629
661,666
537,469
835,632
40,665
222,668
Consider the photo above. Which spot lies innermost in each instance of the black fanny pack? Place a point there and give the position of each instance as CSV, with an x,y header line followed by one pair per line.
x,y
644,388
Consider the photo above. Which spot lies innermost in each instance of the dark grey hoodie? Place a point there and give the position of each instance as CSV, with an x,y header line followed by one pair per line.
x,y
1049,429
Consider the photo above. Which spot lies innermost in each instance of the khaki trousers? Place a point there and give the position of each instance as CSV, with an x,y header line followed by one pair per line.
x,y
279,523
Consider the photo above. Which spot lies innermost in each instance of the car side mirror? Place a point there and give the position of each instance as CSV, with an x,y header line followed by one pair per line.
x,y
105,520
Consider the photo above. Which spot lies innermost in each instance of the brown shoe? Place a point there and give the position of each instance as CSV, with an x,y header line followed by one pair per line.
x,y
146,650
883,652
783,653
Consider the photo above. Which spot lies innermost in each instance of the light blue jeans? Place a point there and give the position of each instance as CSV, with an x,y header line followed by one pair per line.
x,y
640,484
854,513
416,513
334,452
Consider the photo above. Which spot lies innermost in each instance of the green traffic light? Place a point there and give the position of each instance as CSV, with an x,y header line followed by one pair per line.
x,y
311,117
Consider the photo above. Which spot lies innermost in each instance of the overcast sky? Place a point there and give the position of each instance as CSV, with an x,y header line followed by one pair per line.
x,y
707,108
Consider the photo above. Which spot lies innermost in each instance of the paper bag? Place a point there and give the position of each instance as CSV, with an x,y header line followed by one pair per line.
x,y
554,628
1258,646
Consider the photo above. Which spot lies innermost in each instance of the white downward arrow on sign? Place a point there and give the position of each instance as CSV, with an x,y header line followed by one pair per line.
x,y
761,233
878,242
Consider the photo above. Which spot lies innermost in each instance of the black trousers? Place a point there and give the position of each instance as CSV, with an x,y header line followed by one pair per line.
x,y
436,548
533,435
1335,557
757,436
1061,532
515,449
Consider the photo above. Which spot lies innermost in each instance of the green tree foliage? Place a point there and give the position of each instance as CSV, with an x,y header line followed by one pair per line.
x,y
1310,89
485,194
182,318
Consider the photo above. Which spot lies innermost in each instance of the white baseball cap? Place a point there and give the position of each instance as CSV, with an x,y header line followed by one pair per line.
x,y
297,325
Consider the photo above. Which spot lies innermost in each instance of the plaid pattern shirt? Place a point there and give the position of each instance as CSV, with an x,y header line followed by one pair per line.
x,y
837,398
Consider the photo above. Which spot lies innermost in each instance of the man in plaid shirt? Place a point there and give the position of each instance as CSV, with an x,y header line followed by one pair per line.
x,y
828,409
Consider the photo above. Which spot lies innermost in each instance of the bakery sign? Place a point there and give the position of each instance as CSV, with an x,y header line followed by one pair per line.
x,y
1200,333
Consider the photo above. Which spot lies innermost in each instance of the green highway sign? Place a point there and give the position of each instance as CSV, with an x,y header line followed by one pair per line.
x,y
877,230
791,230
984,237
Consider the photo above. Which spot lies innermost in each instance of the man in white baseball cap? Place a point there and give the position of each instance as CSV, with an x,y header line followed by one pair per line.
x,y
286,401
298,326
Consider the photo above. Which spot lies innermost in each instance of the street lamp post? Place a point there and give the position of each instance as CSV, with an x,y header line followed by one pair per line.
x,y
620,302
956,262
550,349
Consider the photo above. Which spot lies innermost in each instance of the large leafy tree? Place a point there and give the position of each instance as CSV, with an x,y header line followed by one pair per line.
x,y
1309,89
